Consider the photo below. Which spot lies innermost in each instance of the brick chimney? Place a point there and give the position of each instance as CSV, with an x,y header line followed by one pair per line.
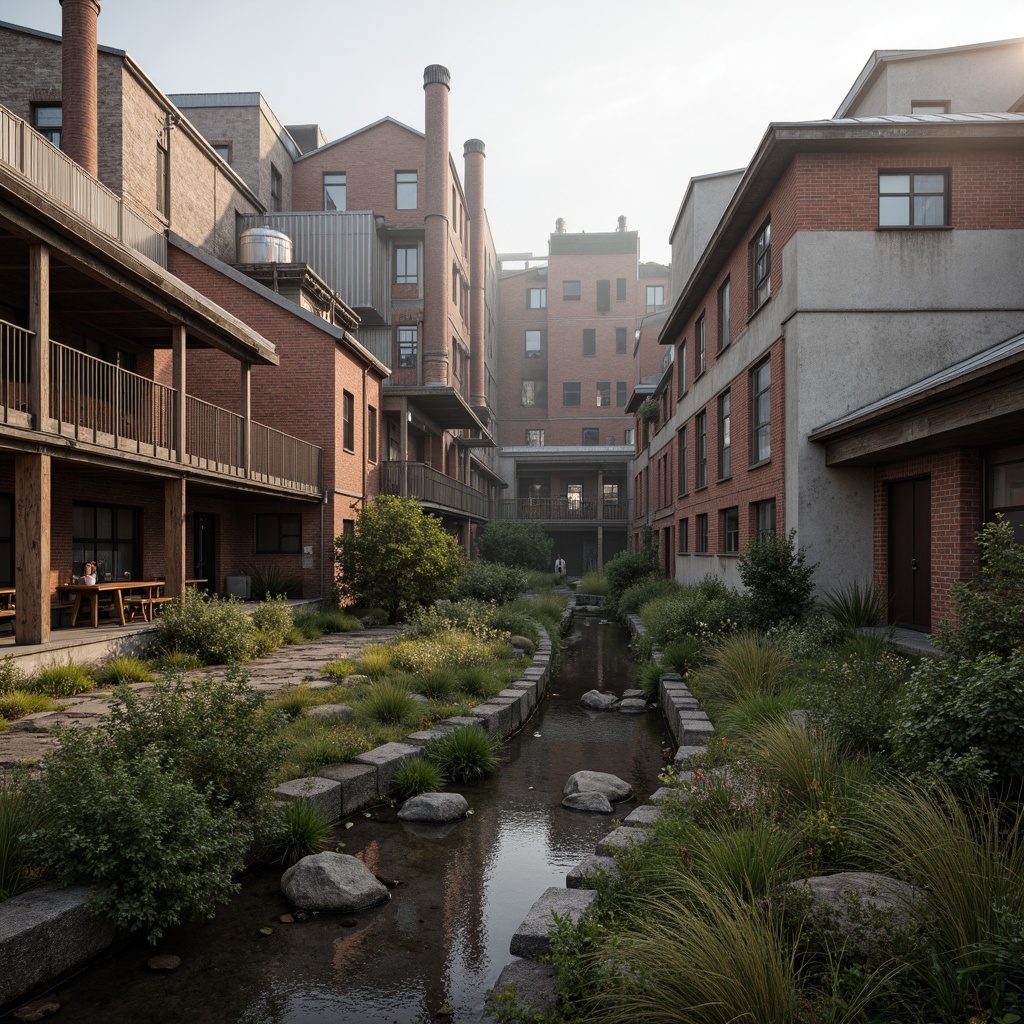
x,y
474,156
78,88
436,257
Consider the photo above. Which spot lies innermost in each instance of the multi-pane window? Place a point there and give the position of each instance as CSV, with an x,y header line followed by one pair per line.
x,y
571,393
620,393
407,264
731,530
408,340
371,433
724,328
276,190
604,393
761,413
574,496
761,256
348,406
620,289
620,341
700,345
571,291
589,341
335,191
604,296
535,392
655,296
702,533
764,517
534,344
701,424
405,190
684,536
682,440
536,298
535,438
107,535
591,435
724,435
915,199
629,436
681,367
48,120
278,533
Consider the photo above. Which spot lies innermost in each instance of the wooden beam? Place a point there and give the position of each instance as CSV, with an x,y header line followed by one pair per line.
x,y
246,399
32,547
174,537
39,324
178,383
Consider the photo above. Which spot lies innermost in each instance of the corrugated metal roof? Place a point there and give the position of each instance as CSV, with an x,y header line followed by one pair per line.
x,y
597,243
995,117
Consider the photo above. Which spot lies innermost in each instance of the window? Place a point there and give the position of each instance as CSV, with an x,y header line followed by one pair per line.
x,y
571,291
348,421
535,438
702,533
724,438
571,393
682,439
604,393
912,200
655,296
724,329
700,345
407,346
701,423
163,178
589,341
407,264
604,296
620,341
534,344
335,192
535,392
620,289
371,433
48,120
761,417
276,200
731,530
348,527
684,536
929,106
574,496
405,190
629,435
620,393
7,540
107,535
223,150
591,435
536,298
681,368
278,533
761,252
1005,490
764,517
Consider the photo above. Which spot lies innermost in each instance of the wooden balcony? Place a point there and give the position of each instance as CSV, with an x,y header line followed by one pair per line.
x,y
104,405
563,510
433,488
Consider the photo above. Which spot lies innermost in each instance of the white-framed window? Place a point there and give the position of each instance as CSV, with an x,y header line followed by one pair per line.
x,y
535,438
655,296
406,190
407,264
534,344
536,298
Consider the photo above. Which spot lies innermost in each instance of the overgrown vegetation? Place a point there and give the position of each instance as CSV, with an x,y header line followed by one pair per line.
x,y
520,545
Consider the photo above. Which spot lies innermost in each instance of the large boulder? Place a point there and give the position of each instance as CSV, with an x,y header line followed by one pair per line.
x,y
611,786
632,706
336,712
597,700
593,803
332,881
434,807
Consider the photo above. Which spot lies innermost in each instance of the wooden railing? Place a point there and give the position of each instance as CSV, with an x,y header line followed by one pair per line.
x,y
417,480
214,437
14,373
56,174
562,509
279,458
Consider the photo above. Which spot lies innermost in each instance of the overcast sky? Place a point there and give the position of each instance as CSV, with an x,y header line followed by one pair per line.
x,y
589,108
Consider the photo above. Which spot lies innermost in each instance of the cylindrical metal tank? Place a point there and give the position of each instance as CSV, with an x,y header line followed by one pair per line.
x,y
264,245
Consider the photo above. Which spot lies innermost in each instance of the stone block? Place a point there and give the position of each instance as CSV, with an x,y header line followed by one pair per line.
x,y
358,785
529,689
387,759
620,839
536,987
582,876
668,794
531,938
324,794
459,720
497,717
642,817
696,733
683,754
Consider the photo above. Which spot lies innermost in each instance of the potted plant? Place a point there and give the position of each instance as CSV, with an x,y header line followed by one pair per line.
x,y
649,411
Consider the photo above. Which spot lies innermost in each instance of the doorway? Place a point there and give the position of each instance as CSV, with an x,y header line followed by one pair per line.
x,y
204,551
910,535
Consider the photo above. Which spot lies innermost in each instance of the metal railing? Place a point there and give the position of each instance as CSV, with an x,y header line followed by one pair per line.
x,y
213,437
422,482
56,174
14,373
279,458
562,509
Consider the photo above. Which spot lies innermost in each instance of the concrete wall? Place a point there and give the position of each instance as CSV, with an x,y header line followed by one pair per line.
x,y
703,205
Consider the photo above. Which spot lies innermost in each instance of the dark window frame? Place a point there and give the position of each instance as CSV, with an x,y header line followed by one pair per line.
x,y
621,393
683,439
372,434
761,510
760,427
604,295
730,523
48,131
701,430
286,535
604,394
589,342
408,346
912,174
342,184
620,341
572,396
537,432
700,346
681,368
724,315
276,190
683,535
568,288
595,433
402,272
702,533
761,265
402,188
348,422
725,435
620,289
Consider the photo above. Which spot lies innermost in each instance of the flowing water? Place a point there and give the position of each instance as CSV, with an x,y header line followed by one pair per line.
x,y
442,940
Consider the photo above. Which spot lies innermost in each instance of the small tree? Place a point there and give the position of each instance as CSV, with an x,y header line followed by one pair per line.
x,y
778,578
520,545
398,559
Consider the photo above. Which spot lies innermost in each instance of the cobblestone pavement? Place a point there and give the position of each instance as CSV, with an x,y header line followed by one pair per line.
x,y
29,739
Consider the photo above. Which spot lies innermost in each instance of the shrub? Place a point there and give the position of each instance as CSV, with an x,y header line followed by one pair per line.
x,y
594,582
125,669
649,680
778,578
11,676
335,620
375,662
338,669
637,595
453,648
464,754
688,612
416,776
270,581
855,606
467,614
273,618
437,685
388,703
687,653
178,661
490,581
398,558
19,816
18,703
298,829
515,623
628,568
62,679
214,631
478,680
523,545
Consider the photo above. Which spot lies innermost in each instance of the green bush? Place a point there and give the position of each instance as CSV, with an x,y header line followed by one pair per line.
x,y
11,676
19,816
307,624
490,581
62,679
465,754
123,669
416,776
270,581
522,545
18,703
214,631
638,594
515,623
594,582
298,829
778,578
399,558
855,606
628,568
294,701
687,653
273,618
745,665
688,612
173,661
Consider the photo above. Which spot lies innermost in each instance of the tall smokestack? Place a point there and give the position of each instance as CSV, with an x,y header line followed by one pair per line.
x,y
436,259
560,226
78,88
474,156
622,224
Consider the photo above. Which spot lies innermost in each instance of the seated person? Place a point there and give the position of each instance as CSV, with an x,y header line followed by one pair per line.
x,y
88,579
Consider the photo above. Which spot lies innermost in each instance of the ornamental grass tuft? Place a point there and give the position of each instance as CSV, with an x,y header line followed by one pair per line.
x,y
298,830
417,776
465,754
62,679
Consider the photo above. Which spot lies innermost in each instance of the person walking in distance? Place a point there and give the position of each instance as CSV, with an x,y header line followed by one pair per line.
x,y
560,567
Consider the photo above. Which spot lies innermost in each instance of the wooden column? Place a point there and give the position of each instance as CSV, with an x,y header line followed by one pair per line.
x,y
174,537
32,544
467,545
39,324
404,443
600,519
246,382
178,381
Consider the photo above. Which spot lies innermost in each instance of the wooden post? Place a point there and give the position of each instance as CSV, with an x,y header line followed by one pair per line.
x,y
174,537
246,381
39,324
178,381
32,547
404,443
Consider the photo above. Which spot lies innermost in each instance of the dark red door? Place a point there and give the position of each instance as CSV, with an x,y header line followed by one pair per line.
x,y
910,565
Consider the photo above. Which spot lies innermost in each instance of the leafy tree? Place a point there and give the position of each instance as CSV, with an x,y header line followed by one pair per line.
x,y
628,568
779,580
398,559
521,545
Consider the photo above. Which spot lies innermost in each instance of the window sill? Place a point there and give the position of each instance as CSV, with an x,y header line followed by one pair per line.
x,y
759,308
703,554
349,451
758,465
914,227
724,479
697,490
728,554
